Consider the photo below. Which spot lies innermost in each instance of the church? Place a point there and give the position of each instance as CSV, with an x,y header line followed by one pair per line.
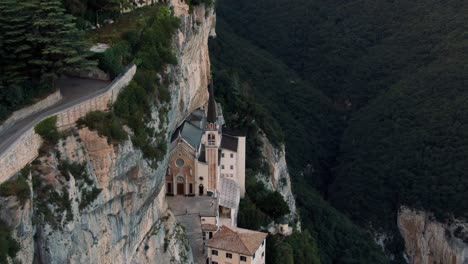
x,y
207,159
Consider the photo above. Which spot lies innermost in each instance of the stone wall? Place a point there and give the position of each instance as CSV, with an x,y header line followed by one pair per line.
x,y
25,112
68,117
26,148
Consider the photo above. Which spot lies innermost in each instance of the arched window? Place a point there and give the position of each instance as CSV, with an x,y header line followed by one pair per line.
x,y
211,139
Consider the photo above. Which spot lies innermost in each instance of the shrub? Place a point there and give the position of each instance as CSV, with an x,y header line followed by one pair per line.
x,y
113,59
88,196
8,245
106,124
47,129
16,187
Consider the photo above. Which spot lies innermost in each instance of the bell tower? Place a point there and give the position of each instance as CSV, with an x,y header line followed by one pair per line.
x,y
213,140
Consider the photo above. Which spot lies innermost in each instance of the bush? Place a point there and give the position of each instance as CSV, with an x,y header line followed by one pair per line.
x,y
16,187
250,216
88,196
114,59
8,245
47,129
106,124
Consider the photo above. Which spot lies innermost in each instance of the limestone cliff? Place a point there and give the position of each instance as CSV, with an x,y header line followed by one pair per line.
x,y
428,241
114,209
278,178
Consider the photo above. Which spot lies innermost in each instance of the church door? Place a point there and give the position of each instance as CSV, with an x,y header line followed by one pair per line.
x,y
200,190
180,189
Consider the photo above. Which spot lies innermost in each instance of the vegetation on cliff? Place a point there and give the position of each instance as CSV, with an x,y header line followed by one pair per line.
x,y
8,245
145,39
309,123
396,72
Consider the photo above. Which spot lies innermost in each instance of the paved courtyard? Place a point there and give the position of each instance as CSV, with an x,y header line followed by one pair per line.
x,y
187,211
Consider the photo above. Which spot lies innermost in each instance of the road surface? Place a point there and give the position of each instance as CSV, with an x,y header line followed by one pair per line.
x,y
74,91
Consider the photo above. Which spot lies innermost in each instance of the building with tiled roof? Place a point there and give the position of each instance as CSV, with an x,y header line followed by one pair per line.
x,y
236,246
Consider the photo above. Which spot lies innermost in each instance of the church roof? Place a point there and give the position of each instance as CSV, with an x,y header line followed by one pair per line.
x,y
212,115
232,239
229,142
229,193
190,133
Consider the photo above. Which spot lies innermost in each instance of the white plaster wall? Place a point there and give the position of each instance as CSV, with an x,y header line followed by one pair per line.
x,y
227,162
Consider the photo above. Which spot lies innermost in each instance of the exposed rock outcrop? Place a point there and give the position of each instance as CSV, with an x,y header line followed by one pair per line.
x,y
278,178
128,220
428,241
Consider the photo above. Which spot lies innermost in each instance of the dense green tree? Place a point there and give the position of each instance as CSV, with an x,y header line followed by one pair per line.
x,y
8,245
14,53
59,46
246,75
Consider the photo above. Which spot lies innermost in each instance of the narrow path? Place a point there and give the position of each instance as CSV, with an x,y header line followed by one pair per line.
x,y
74,91
187,211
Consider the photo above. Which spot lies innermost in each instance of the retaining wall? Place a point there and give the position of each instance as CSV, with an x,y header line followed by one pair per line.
x,y
27,111
26,148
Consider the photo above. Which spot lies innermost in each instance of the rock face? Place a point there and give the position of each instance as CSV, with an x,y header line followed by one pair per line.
x,y
428,241
128,221
278,179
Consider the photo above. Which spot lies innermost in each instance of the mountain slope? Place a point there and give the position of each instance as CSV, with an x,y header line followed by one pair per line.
x,y
309,124
398,70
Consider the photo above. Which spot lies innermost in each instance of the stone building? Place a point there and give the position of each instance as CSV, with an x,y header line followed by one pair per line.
x,y
236,246
208,159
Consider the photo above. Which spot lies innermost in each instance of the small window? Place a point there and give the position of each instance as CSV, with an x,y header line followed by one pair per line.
x,y
229,255
263,242
211,236
243,258
214,252
232,155
222,167
263,253
214,262
222,155
232,167
253,256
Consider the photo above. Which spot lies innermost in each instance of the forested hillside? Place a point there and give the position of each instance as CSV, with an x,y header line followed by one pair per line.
x,y
394,72
259,91
38,42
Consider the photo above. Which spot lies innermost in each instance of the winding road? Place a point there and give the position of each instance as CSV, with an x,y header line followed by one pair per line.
x,y
74,91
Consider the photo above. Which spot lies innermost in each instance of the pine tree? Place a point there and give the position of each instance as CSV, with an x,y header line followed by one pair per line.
x,y
57,43
14,52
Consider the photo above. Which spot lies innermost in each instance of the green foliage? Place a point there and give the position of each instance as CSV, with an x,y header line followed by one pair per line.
x,y
148,42
193,3
38,42
270,203
250,217
47,129
312,128
297,248
88,196
17,186
9,247
402,76
113,59
83,180
107,125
